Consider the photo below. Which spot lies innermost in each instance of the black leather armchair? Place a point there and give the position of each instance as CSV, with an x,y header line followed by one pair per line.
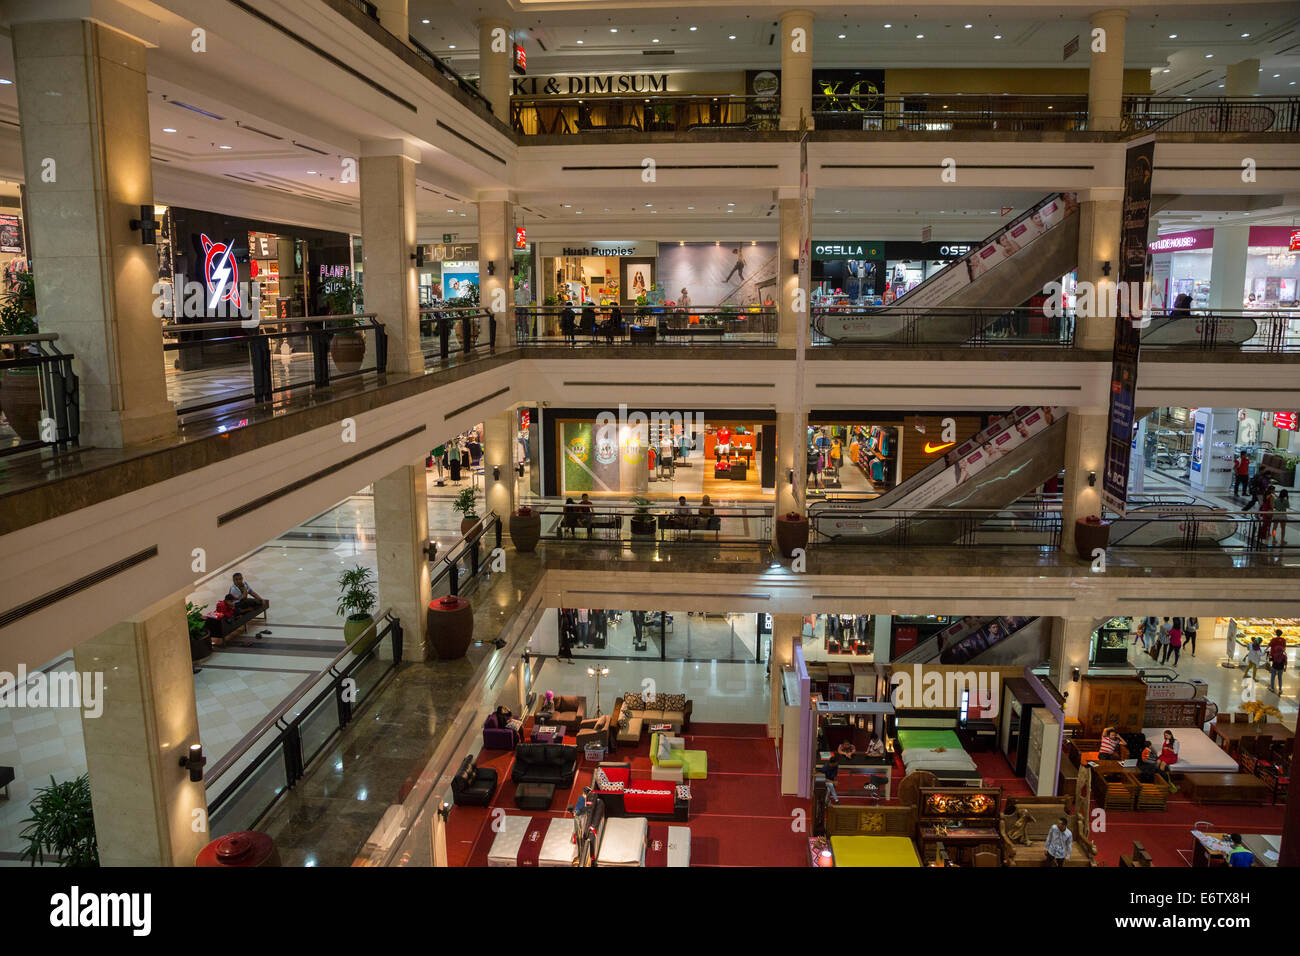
x,y
473,786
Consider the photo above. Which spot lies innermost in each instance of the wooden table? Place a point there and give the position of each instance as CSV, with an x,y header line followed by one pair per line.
x,y
1239,788
1232,733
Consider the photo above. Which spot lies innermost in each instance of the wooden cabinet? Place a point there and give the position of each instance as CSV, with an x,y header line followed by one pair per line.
x,y
1118,702
1044,752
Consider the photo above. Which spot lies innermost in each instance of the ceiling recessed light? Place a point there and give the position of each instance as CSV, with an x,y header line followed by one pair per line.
x,y
889,26
424,21
1173,36
920,36
997,36
576,212
690,207
731,36
1209,56
1220,87
968,26
655,40
1292,83
1244,35
169,129
6,82
843,35
225,147
731,204
693,29
1275,76
649,204
311,172
613,29
452,47
579,43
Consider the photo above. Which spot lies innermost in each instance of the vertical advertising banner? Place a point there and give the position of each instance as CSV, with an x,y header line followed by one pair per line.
x,y
1138,163
577,439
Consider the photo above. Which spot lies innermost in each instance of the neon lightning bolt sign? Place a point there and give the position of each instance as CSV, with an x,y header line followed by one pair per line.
x,y
219,273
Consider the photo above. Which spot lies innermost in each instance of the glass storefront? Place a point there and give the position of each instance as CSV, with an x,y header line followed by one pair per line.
x,y
658,635
1180,265
870,457
1272,267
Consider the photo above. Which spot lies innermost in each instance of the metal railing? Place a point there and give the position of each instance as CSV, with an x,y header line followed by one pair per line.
x,y
645,325
456,329
1218,330
946,112
464,85
461,566
1212,114
662,522
269,359
284,745
39,394
974,327
559,115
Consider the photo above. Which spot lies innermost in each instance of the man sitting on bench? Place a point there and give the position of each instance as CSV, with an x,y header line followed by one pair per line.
x,y
244,598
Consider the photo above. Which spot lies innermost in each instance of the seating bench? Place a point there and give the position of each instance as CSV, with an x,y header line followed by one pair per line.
x,y
220,628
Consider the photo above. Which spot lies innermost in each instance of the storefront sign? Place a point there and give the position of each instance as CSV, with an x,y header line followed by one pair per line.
x,y
521,60
632,248
220,272
335,272
1285,421
1134,222
1183,241
262,245
590,85
454,251
521,237
1294,243
845,249
929,251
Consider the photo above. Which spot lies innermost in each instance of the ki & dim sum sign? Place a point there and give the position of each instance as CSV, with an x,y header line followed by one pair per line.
x,y
569,85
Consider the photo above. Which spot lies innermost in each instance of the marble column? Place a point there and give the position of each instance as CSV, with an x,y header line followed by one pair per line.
x,y
791,323
147,812
498,452
1085,451
1070,647
796,69
1228,267
791,457
84,111
496,51
785,628
496,242
395,18
1099,235
387,171
401,533
1106,71
1242,78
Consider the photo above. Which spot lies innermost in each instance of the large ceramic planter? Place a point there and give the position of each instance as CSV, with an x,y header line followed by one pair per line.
x,y
525,530
348,350
1089,536
467,525
450,627
353,629
791,533
643,527
247,848
20,398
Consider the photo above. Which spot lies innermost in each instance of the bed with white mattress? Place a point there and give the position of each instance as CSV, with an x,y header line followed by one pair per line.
x,y
1197,753
516,843
622,842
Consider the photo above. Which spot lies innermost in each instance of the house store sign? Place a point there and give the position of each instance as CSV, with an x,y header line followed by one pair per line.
x,y
589,85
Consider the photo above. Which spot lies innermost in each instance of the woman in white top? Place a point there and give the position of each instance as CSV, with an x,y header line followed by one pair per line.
x,y
1253,657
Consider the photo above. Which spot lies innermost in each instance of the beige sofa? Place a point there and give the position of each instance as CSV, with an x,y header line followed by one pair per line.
x,y
640,713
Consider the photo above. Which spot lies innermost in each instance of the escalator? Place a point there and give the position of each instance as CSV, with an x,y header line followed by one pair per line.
x,y
1018,640
1184,523
1007,269
1008,459
1200,330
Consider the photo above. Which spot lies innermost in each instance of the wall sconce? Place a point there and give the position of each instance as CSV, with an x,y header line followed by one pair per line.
x,y
418,256
496,472
492,267
1105,268
194,762
147,225
431,550
794,266
790,476
444,810
1074,675
1092,479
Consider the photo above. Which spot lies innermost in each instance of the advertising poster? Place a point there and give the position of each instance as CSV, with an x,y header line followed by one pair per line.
x,y
577,440
739,274
638,277
11,234
765,87
604,457
457,277
1138,163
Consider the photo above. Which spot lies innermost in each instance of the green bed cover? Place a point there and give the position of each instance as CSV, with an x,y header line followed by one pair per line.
x,y
929,739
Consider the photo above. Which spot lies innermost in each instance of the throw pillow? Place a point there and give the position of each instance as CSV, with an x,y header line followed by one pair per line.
x,y
665,752
673,701
624,718
633,702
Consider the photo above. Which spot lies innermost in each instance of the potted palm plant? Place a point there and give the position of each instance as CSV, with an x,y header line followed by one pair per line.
x,y
20,388
525,528
357,599
466,504
643,523
342,297
200,642
62,824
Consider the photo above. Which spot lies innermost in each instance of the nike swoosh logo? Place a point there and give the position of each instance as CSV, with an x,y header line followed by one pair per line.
x,y
931,449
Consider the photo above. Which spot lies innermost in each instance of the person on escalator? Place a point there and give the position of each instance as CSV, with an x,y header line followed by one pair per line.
x,y
1182,307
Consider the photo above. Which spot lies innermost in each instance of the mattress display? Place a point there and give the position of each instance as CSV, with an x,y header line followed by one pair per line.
x,y
874,851
623,842
1197,753
668,846
918,759
928,739
534,841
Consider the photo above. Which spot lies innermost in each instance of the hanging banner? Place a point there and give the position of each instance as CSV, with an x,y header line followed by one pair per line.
x,y
1138,163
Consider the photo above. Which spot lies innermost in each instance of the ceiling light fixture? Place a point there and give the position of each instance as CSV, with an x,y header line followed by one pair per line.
x,y
613,29
579,43
225,147
424,21
4,81
997,36
920,36
843,35
1173,36
1244,35
452,47
168,129
655,40
693,29
731,36
889,26
1209,56
968,26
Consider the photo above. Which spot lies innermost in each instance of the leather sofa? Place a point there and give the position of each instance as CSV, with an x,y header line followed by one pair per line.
x,y
595,731
473,786
545,763
496,737
569,711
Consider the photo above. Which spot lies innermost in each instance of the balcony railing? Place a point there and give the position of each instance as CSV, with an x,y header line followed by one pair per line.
x,y
1213,114
968,327
220,363
456,330
663,522
38,394
946,112
645,325
656,113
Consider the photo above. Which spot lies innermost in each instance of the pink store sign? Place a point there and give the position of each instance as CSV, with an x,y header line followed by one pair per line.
x,y
1182,241
1276,237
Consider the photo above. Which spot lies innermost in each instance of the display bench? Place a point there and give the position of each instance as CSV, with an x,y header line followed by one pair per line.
x,y
965,820
850,820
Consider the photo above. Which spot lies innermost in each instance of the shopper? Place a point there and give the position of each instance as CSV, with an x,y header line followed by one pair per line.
x,y
1266,517
1258,485
1110,743
1189,634
585,511
1060,843
1253,657
1277,660
831,770
1182,307
1162,648
1281,506
568,323
814,466
1176,640
1168,757
684,301
1240,856
1241,475
589,318
875,746
638,630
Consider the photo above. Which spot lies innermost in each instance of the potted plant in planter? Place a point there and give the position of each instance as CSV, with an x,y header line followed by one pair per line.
x,y
62,823
342,297
643,523
20,388
357,599
525,528
791,533
1090,533
466,503
200,645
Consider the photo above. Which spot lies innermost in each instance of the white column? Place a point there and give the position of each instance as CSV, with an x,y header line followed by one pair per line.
x,y
147,810
785,628
1085,451
387,242
394,17
1099,232
498,452
791,325
796,69
496,252
1242,78
1106,70
1228,267
1071,644
401,533
495,50
84,110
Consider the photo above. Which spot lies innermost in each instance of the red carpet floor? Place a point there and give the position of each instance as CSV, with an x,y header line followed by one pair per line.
x,y
738,815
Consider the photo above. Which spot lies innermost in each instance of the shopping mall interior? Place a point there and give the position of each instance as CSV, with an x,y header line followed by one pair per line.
x,y
520,433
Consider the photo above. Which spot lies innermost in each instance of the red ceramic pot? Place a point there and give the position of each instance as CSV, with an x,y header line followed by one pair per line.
x,y
244,849
450,627
791,533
